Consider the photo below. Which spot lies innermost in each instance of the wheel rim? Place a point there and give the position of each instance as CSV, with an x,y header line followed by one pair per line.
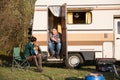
x,y
74,61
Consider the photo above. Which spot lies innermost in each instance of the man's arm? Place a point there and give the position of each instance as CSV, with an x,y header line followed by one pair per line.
x,y
52,37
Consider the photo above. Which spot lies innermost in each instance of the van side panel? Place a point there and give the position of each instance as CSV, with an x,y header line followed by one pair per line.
x,y
40,24
40,18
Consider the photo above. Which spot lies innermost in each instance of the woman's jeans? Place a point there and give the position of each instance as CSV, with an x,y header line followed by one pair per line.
x,y
54,46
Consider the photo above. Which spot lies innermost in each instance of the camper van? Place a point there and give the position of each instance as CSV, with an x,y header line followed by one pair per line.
x,y
90,29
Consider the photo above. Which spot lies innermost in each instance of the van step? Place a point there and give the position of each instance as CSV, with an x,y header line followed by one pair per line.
x,y
54,59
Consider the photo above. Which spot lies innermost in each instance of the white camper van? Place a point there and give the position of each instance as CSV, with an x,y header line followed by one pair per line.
x,y
90,29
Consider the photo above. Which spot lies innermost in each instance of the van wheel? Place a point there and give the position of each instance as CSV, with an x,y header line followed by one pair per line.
x,y
73,61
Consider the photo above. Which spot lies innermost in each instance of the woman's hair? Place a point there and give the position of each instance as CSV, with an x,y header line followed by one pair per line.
x,y
32,39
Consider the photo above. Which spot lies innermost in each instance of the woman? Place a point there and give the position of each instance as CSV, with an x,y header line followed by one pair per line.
x,y
31,55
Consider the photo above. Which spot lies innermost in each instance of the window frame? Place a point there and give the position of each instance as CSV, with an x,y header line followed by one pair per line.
x,y
79,10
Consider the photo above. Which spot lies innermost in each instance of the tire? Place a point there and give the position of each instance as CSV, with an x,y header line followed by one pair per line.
x,y
74,60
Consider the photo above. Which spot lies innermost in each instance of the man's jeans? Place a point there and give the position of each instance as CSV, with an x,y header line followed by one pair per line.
x,y
53,46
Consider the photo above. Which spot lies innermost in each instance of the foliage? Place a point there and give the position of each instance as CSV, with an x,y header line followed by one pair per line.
x,y
15,16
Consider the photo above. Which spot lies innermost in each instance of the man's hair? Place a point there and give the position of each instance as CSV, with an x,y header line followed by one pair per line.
x,y
54,28
32,39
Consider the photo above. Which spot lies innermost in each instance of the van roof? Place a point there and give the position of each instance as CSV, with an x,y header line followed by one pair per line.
x,y
76,2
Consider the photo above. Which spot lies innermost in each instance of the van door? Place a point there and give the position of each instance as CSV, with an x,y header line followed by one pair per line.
x,y
117,38
64,30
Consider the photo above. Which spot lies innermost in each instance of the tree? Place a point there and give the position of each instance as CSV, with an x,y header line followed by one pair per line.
x,y
15,16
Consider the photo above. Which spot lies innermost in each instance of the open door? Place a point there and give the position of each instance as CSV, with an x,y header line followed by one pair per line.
x,y
117,38
64,31
57,19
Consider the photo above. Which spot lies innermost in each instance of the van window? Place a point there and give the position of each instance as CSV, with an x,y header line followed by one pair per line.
x,y
79,17
118,24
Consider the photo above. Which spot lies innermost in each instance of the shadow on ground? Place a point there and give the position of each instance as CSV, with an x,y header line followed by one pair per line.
x,y
50,78
73,78
5,60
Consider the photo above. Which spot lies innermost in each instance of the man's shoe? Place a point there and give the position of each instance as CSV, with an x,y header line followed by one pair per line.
x,y
57,56
40,70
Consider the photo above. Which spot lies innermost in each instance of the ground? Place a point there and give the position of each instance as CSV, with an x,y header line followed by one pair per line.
x,y
53,72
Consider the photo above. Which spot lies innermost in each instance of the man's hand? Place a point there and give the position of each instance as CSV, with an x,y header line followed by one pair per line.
x,y
53,39
58,40
36,48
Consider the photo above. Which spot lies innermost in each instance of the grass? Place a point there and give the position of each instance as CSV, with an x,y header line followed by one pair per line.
x,y
50,73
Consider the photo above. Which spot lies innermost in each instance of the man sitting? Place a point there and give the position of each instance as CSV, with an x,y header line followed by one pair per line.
x,y
32,53
54,42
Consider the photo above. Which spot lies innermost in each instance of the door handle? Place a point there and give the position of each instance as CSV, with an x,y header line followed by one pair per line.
x,y
117,38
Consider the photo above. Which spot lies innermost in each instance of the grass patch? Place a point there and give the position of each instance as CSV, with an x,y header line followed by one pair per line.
x,y
50,73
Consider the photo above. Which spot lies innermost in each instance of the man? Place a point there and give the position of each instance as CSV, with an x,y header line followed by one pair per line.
x,y
31,55
54,42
